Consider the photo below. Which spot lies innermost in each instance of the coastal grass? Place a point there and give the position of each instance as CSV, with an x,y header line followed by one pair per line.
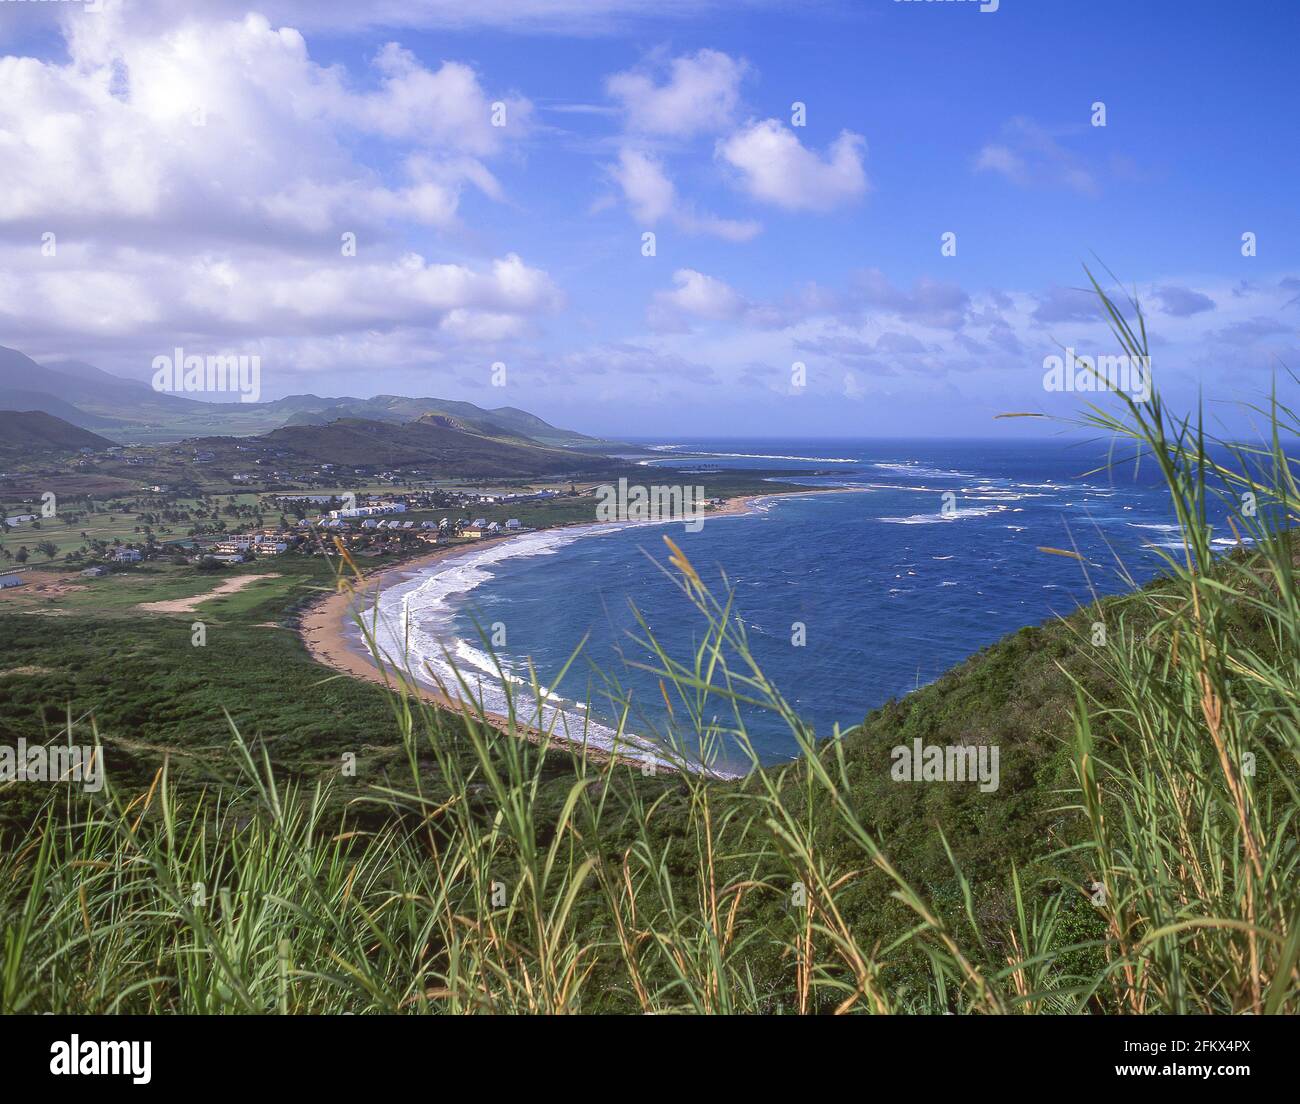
x,y
1141,857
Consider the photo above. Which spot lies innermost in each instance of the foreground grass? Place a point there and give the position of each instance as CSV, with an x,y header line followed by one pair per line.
x,y
1141,856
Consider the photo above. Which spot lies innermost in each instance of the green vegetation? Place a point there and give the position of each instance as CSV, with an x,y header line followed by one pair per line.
x,y
85,525
1139,857
23,433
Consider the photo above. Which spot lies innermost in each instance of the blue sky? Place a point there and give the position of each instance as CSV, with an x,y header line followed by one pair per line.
x,y
775,244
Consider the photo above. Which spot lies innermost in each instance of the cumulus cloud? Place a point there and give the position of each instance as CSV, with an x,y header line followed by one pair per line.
x,y
652,197
229,128
774,167
148,296
649,193
699,95
695,295
204,180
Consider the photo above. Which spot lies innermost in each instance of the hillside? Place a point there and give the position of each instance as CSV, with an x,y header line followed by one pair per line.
x,y
313,410
30,431
449,445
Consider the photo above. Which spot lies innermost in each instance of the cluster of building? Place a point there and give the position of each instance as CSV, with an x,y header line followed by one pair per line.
x,y
239,547
369,511
428,531
364,523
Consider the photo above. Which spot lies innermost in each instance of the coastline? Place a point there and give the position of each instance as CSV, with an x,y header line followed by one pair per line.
x,y
322,625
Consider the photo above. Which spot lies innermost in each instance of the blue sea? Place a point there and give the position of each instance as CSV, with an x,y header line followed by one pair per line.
x,y
886,588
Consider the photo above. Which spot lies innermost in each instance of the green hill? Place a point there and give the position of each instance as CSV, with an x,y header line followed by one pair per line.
x,y
23,432
313,410
449,445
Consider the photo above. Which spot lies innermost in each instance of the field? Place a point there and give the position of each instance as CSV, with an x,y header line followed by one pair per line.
x,y
120,519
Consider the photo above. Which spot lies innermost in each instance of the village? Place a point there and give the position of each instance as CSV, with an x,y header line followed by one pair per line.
x,y
95,537
380,525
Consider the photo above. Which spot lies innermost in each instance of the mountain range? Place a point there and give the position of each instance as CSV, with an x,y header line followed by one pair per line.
x,y
131,412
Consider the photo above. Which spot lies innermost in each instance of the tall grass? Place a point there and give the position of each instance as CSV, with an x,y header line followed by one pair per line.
x,y
457,889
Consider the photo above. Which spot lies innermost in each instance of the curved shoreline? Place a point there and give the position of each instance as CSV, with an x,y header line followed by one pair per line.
x,y
322,627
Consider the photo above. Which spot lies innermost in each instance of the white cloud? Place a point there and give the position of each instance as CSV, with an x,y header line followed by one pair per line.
x,y
695,296
652,197
983,349
649,193
699,96
776,168
444,109
151,298
231,230
231,128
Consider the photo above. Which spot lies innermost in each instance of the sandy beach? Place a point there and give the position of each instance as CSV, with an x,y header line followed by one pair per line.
x,y
323,628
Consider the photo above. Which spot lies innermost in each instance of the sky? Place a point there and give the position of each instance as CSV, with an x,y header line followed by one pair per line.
x,y
868,218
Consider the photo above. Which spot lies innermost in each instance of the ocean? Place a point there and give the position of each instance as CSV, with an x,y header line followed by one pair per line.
x,y
848,599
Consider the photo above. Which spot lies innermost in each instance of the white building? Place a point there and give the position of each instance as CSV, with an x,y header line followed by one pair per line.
x,y
371,511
